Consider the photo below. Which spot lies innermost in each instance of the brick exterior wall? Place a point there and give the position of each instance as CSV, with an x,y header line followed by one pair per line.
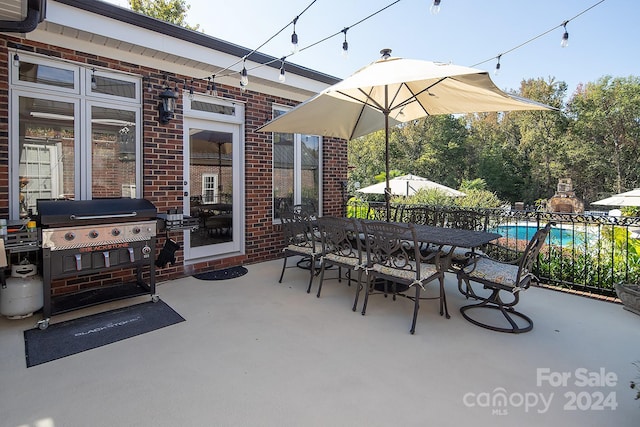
x,y
163,163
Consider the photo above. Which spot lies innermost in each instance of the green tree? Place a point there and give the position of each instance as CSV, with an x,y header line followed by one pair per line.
x,y
172,11
606,114
433,147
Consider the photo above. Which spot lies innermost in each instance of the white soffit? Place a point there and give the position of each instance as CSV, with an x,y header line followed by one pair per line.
x,y
80,30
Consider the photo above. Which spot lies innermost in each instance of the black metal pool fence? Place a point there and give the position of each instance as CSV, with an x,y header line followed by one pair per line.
x,y
585,252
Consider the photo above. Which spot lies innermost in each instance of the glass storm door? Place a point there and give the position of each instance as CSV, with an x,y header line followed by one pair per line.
x,y
212,189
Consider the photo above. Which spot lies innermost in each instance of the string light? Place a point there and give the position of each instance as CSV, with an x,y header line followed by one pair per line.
x,y
149,88
214,90
294,36
191,94
244,79
435,7
345,44
282,78
94,83
564,24
16,59
565,37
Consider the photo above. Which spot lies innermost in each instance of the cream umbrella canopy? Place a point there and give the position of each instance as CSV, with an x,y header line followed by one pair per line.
x,y
396,90
628,198
408,185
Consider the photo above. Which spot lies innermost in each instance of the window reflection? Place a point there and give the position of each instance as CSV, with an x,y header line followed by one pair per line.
x,y
46,165
113,137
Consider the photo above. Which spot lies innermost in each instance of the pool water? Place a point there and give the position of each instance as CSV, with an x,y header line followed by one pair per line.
x,y
557,235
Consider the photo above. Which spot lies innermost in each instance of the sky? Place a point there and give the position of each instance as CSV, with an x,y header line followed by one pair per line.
x,y
602,40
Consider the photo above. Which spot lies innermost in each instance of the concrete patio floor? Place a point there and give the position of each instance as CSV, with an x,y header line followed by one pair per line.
x,y
254,352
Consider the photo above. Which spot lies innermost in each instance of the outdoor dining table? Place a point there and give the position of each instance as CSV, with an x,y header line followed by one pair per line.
x,y
451,238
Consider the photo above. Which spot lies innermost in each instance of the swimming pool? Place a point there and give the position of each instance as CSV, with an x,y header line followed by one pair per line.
x,y
557,235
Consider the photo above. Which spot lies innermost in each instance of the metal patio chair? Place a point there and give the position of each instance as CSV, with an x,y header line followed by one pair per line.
x,y
393,258
341,248
501,278
300,239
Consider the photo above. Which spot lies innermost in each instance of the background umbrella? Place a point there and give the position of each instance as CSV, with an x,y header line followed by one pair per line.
x,y
395,90
628,198
407,185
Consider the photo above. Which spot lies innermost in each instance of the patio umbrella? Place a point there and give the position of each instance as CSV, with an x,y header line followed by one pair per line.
x,y
407,185
394,90
628,198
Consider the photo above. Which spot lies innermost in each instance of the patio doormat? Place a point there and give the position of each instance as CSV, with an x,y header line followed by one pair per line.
x,y
225,273
75,336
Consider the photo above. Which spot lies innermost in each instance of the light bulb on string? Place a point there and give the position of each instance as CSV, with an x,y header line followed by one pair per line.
x,y
16,60
497,70
94,83
244,79
282,77
565,37
345,44
214,89
209,85
294,36
191,94
435,7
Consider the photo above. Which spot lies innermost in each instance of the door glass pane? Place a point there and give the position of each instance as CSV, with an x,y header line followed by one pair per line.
x,y
310,161
211,166
46,165
113,152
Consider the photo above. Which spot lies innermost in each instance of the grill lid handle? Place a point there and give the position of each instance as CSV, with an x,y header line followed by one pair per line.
x,y
125,215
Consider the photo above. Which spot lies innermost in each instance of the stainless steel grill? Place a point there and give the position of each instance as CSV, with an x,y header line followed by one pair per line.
x,y
93,236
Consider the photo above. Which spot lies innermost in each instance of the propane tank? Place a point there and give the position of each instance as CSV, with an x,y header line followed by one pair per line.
x,y
22,295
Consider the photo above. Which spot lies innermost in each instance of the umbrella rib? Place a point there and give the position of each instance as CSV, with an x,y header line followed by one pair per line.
x,y
415,96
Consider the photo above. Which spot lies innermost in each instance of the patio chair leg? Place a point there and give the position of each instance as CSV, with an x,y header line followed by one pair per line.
x,y
358,287
494,302
443,300
416,307
321,278
284,266
312,268
366,295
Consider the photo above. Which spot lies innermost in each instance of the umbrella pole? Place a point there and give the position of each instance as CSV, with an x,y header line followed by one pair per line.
x,y
387,190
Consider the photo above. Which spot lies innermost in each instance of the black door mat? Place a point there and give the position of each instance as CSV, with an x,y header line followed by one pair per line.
x,y
226,273
75,336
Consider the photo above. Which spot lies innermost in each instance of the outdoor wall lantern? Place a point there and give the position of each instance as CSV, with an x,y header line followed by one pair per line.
x,y
168,105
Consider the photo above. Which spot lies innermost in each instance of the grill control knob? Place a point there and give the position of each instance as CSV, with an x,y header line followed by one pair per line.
x,y
93,234
70,235
115,232
135,230
146,250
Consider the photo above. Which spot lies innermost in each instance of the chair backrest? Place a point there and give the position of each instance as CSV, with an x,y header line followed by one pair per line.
x,y
392,246
340,236
306,211
297,230
530,255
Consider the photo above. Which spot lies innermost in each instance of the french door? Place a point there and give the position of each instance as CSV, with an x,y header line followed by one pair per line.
x,y
213,188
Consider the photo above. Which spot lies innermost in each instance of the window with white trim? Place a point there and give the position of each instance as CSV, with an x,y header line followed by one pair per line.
x,y
297,173
76,133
